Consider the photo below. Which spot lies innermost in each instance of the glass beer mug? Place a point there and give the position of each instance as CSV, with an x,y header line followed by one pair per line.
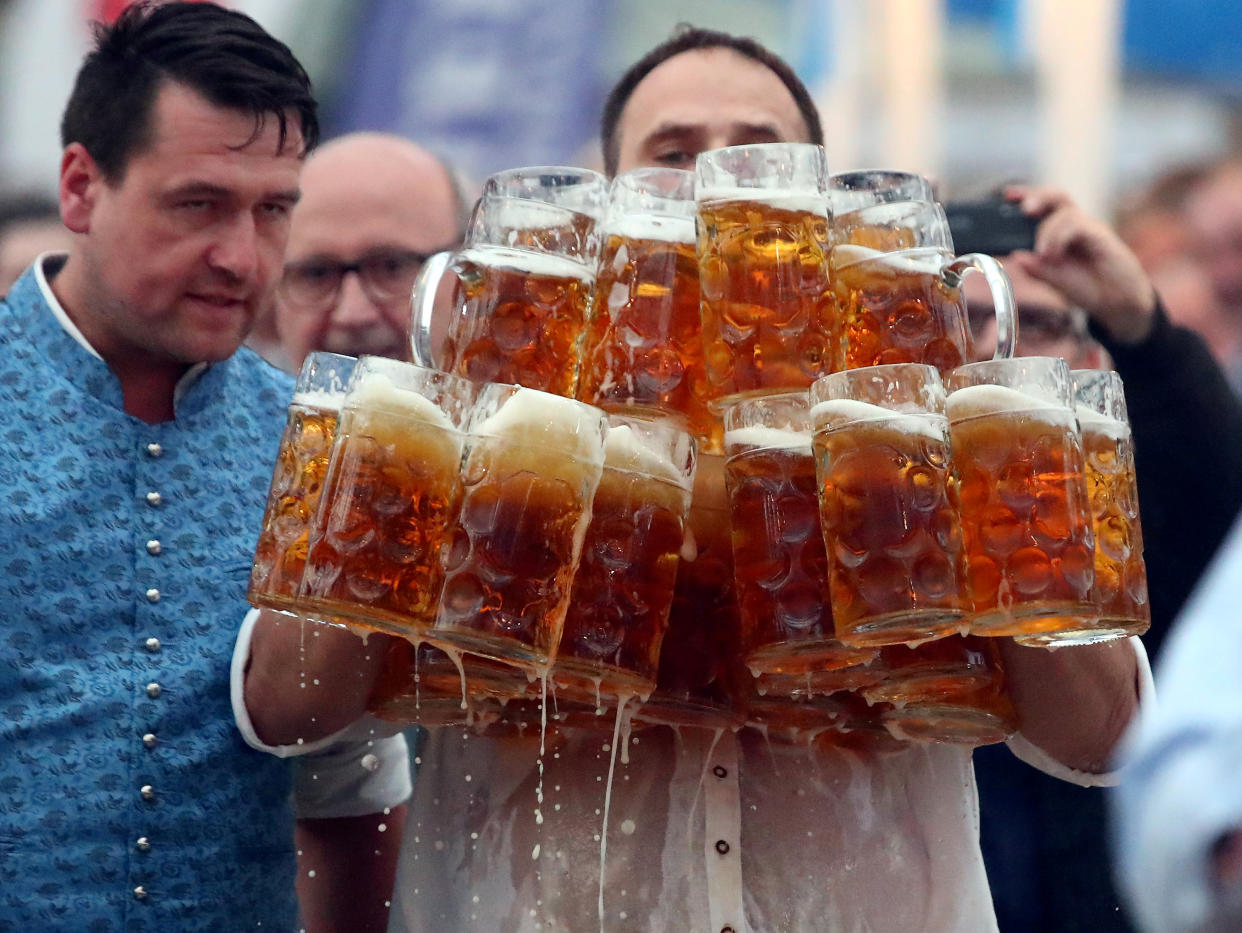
x,y
780,564
1120,590
849,191
525,278
297,480
898,288
889,504
643,348
390,498
768,315
1026,515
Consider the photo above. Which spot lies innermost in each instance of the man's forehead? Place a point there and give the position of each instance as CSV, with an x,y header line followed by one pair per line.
x,y
184,121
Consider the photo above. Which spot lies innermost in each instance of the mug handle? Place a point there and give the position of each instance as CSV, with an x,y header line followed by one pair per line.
x,y
422,304
1002,297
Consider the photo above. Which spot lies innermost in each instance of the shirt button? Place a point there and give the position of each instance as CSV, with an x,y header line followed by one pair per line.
x,y
143,844
155,450
153,595
154,689
149,740
147,792
140,893
154,498
154,547
152,645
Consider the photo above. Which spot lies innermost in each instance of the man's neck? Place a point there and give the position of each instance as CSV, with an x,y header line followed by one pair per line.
x,y
148,384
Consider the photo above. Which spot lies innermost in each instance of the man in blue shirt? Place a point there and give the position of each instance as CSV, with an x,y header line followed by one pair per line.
x,y
134,460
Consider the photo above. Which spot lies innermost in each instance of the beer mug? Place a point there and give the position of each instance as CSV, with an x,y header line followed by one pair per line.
x,y
297,480
841,720
1120,590
889,505
525,277
780,566
898,288
1026,515
532,465
948,690
767,308
390,498
643,348
849,191
622,593
701,676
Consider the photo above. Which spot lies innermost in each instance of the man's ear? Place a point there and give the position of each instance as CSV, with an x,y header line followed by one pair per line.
x,y
80,182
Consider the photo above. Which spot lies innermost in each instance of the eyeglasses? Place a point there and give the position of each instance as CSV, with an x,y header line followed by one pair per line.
x,y
385,274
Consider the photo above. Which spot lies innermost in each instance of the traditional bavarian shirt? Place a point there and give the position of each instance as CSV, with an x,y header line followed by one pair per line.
x,y
128,798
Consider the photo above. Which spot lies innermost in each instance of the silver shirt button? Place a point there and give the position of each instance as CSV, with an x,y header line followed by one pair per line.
x,y
147,792
140,893
154,689
153,595
154,498
154,547
149,740
152,645
155,450
143,844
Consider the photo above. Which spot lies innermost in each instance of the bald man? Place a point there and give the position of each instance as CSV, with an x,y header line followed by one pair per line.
x,y
373,208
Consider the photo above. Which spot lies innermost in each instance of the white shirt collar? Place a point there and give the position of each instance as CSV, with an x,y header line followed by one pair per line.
x,y
58,311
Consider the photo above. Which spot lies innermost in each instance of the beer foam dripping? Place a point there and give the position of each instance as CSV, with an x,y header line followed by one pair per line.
x,y
318,398
663,228
973,401
529,262
1099,423
538,418
840,412
760,437
717,733
625,451
622,700
377,391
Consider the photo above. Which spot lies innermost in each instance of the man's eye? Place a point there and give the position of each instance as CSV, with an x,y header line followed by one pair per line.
x,y
197,205
674,157
316,273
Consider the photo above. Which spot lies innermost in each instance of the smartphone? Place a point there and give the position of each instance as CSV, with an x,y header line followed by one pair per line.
x,y
995,227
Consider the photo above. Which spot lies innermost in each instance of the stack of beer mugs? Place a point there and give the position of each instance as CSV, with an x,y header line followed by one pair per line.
x,y
711,440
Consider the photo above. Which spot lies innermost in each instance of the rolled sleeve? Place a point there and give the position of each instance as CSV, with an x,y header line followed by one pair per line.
x,y
353,778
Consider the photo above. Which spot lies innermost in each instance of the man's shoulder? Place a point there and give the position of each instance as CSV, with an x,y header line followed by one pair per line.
x,y
256,384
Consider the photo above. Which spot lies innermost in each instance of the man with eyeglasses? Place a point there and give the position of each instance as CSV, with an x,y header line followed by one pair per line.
x,y
373,208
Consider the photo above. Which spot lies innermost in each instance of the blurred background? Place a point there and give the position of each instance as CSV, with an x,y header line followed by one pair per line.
x,y
1100,97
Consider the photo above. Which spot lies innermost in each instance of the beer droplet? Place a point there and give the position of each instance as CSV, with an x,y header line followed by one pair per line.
x,y
370,762
627,827
534,853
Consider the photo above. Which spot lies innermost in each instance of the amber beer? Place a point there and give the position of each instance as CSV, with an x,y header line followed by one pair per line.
x,y
780,563
701,675
889,505
618,611
1025,512
767,308
1120,591
389,500
532,467
948,690
643,347
523,315
297,480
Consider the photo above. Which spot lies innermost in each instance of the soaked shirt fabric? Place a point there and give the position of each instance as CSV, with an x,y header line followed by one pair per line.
x,y
128,798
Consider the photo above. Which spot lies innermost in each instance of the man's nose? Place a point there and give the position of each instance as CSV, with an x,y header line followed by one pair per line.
x,y
236,250
354,307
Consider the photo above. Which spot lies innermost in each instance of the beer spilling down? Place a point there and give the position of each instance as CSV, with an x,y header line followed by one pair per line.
x,y
695,444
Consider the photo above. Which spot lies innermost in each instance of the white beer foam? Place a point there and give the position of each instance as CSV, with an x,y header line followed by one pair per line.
x,y
843,410
624,450
1099,423
318,398
918,260
532,417
377,391
661,227
760,436
846,254
807,200
528,214
529,262
972,401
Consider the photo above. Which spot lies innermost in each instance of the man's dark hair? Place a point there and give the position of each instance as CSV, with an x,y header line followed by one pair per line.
x,y
224,56
687,38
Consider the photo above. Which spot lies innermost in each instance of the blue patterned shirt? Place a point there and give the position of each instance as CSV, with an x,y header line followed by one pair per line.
x,y
128,799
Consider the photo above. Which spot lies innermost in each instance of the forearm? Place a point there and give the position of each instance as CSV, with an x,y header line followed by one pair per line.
x,y
304,680
346,870
1074,703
